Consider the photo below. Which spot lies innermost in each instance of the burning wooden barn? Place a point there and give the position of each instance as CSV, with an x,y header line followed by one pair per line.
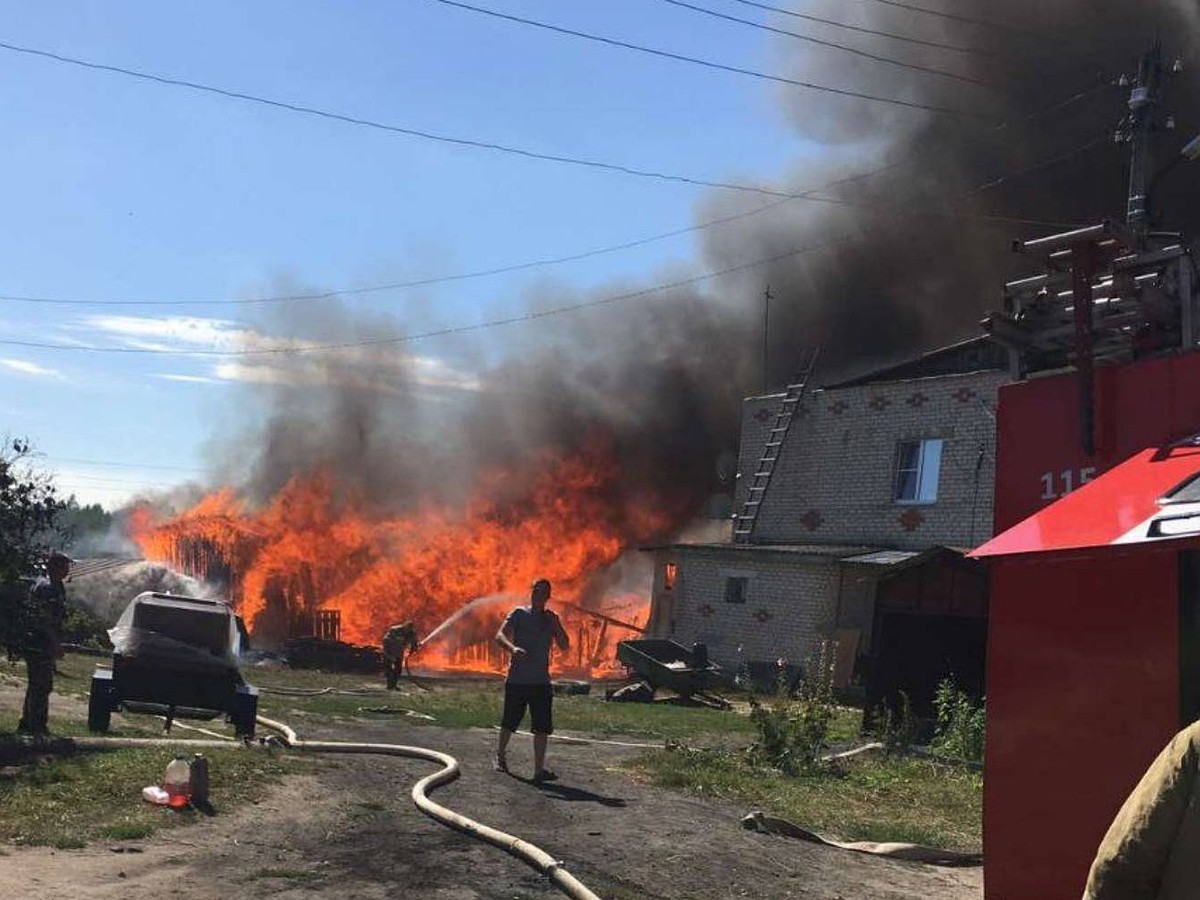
x,y
315,563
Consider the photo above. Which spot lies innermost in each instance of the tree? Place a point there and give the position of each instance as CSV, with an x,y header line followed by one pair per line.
x,y
29,509
76,523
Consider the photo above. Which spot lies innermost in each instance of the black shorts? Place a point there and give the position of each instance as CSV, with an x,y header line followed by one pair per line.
x,y
537,698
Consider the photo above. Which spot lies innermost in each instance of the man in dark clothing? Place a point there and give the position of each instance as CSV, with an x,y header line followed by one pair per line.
x,y
42,643
526,634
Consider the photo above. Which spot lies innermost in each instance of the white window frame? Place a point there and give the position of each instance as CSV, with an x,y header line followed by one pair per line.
x,y
928,471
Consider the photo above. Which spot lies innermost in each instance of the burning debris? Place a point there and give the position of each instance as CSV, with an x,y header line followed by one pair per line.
x,y
311,551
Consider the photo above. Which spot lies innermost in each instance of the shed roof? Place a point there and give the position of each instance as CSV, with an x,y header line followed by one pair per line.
x,y
884,558
1150,497
900,559
825,551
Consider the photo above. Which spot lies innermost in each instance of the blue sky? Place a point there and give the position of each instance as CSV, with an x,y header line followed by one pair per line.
x,y
121,189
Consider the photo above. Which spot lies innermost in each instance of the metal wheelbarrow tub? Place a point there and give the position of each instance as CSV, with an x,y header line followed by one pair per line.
x,y
665,664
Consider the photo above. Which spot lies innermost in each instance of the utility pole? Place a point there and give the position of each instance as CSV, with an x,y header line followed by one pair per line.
x,y
1137,274
1145,98
766,352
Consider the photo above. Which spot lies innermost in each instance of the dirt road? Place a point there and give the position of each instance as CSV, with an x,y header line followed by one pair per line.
x,y
351,830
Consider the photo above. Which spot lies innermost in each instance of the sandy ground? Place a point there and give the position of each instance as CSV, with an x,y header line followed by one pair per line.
x,y
351,830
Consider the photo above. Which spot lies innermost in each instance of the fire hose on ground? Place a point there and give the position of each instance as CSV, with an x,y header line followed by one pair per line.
x,y
530,853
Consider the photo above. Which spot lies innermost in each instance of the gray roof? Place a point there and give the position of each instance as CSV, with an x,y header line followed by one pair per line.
x,y
891,558
846,554
883,557
825,551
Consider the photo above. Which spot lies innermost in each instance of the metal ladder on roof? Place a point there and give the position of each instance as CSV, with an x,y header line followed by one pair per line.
x,y
743,522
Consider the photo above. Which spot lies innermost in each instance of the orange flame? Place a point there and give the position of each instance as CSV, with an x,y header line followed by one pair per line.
x,y
316,547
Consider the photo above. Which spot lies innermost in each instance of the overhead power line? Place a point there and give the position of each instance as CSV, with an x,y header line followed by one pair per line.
x,y
1057,105
975,51
73,488
712,64
955,17
440,332
74,479
527,317
120,465
397,340
1097,141
474,143
405,130
462,276
916,67
371,123
810,195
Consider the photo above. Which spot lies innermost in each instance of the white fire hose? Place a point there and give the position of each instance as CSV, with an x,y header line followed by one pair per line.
x,y
535,856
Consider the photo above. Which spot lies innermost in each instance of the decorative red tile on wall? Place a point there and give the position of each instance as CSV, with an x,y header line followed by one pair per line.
x,y
706,610
838,407
917,400
811,520
911,519
964,395
763,615
879,404
762,414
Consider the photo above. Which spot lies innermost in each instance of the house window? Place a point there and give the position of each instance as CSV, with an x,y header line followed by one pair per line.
x,y
918,465
670,573
735,589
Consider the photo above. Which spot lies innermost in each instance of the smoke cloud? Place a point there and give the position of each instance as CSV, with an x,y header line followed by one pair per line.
x,y
904,260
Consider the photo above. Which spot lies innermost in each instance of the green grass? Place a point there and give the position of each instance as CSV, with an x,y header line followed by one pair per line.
x,y
73,800
867,798
97,796
462,703
475,703
128,831
69,801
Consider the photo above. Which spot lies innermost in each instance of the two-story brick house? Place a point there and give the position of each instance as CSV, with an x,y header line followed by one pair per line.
x,y
879,486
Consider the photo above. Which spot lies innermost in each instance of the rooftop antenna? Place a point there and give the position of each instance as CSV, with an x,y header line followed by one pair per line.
x,y
766,354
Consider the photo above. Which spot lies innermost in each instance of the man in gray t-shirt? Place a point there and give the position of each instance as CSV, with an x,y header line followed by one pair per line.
x,y
526,634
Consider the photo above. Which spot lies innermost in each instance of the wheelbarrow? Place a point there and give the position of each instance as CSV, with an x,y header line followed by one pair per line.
x,y
665,664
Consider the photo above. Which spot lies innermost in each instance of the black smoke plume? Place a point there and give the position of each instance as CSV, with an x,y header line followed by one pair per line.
x,y
904,260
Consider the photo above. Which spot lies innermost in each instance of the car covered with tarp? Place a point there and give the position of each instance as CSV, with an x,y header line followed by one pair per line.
x,y
177,657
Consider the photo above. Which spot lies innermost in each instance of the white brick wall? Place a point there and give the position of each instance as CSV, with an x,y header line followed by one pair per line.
x,y
790,603
834,484
835,479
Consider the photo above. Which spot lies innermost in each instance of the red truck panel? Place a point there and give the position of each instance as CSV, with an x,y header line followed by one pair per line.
x,y
1082,693
1039,454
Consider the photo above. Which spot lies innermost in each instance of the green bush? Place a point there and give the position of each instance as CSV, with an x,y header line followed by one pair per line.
x,y
83,627
961,724
792,730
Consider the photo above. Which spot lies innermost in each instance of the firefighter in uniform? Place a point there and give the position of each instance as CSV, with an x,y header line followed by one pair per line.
x,y
41,644
397,640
